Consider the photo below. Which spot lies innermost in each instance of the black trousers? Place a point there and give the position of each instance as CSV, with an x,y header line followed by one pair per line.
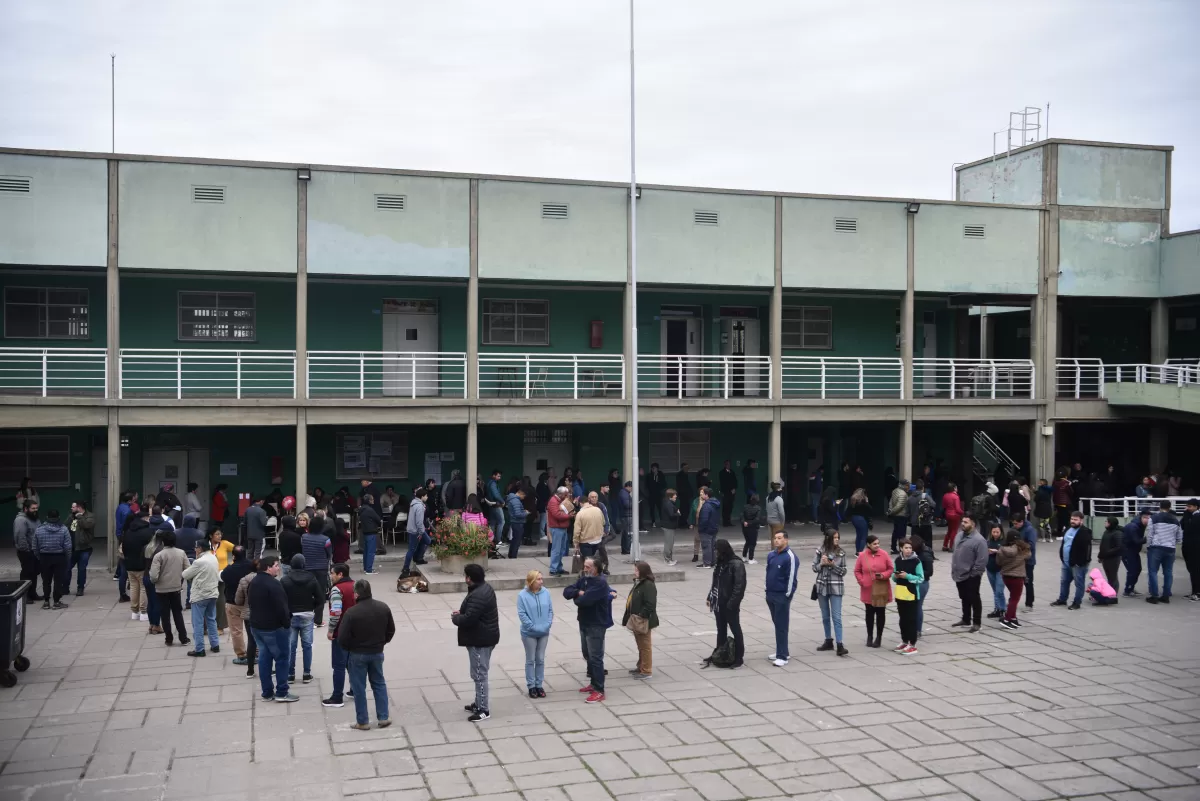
x,y
908,621
876,615
322,577
54,572
731,619
727,499
30,570
1110,566
170,605
1029,585
751,535
972,604
1062,520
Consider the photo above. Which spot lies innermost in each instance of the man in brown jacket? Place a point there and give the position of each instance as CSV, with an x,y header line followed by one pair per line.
x,y
589,526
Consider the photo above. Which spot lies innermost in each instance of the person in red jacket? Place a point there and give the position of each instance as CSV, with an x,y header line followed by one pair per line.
x,y
873,571
558,520
952,504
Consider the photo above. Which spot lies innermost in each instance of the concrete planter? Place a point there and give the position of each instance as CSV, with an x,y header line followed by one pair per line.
x,y
454,564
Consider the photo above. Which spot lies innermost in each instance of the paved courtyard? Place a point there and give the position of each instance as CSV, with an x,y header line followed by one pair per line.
x,y
1096,703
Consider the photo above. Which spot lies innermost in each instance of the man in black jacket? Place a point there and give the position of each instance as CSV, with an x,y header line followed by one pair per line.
x,y
270,619
728,482
362,632
305,597
1191,545
369,521
683,486
656,485
231,576
454,492
1074,554
133,548
478,624
593,599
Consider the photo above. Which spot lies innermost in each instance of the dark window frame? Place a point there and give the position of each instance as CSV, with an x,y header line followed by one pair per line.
x,y
517,329
26,453
183,324
44,321
789,339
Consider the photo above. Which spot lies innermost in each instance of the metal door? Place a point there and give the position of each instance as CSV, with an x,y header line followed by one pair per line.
x,y
549,457
410,327
740,337
162,467
680,336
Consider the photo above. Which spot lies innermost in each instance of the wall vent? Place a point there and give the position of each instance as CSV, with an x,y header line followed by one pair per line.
x,y
706,217
555,211
390,202
974,231
845,225
208,194
16,185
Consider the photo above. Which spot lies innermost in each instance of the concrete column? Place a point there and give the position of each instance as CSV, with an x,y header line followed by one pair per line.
x,y
473,305
906,447
1160,331
626,454
985,334
113,483
776,344
472,448
775,449
1159,457
907,313
301,455
301,296
113,291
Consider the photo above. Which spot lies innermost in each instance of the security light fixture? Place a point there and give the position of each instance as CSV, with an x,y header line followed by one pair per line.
x,y
913,208
304,174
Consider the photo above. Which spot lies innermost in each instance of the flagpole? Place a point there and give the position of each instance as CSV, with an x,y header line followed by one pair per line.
x,y
635,478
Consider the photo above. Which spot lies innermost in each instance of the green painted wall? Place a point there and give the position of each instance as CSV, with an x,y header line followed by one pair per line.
x,y
348,315
252,454
59,498
150,311
322,464
862,327
1184,344
650,304
737,442
571,313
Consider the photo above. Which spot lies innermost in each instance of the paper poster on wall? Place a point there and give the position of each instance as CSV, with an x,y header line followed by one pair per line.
x,y
229,469
373,465
354,460
354,442
381,447
433,457
433,469
447,456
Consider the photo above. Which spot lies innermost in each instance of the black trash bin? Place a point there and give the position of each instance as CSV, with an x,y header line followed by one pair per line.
x,y
12,630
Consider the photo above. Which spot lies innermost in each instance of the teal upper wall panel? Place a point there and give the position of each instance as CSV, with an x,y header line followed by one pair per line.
x,y
1015,179
398,225
207,218
1120,177
552,232
53,211
1180,274
844,244
1108,259
706,238
976,249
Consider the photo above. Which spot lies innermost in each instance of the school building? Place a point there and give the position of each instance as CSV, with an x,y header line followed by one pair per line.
x,y
298,325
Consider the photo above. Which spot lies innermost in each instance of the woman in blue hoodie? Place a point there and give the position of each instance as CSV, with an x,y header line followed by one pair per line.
x,y
515,502
537,615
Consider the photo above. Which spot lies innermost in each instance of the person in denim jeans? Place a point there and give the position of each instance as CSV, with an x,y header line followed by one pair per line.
x,y
304,596
341,600
205,580
995,538
829,563
593,597
363,631
780,580
1163,537
1074,554
369,522
418,535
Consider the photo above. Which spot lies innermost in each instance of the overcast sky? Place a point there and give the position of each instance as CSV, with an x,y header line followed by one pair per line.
x,y
871,98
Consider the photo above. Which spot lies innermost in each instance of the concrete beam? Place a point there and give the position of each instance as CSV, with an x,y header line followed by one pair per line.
x,y
1109,214
828,413
45,416
966,411
550,414
1083,411
387,416
660,414
235,416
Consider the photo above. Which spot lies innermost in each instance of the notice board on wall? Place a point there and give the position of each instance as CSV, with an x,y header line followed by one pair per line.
x,y
371,454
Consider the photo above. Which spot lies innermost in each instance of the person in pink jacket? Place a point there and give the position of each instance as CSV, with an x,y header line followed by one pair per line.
x,y
953,512
1101,591
873,571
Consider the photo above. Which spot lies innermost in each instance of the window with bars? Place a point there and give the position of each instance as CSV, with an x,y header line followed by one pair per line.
x,y
516,322
673,447
547,436
808,327
41,313
217,316
45,459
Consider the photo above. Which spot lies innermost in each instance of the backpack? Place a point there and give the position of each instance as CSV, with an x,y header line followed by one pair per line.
x,y
981,506
722,655
925,510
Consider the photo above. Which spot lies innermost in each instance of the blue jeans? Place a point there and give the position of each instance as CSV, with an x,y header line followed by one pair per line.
x,y
558,547
153,613
831,607
272,647
338,657
542,524
781,608
860,532
1079,575
364,668
370,543
518,534
899,527
1157,555
814,502
535,659
923,591
301,630
416,549
79,558
204,613
997,582
591,641
495,518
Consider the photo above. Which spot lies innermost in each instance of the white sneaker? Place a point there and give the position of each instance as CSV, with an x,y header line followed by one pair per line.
x,y
771,658
143,617
133,615
751,562
671,562
780,663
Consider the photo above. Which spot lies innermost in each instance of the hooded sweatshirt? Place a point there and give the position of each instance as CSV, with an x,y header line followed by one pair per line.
x,y
416,517
536,612
708,520
24,528
303,592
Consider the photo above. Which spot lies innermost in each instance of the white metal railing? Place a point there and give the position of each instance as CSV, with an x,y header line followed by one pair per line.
x,y
1079,378
516,375
366,374
704,376
1129,506
1177,374
1085,378
842,377
203,372
50,372
973,378
991,456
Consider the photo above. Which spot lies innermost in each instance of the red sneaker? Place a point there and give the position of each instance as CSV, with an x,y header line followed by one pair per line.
x,y
587,689
595,698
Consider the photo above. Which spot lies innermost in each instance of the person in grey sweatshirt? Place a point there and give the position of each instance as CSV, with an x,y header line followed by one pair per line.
x,y
970,562
418,536
24,527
